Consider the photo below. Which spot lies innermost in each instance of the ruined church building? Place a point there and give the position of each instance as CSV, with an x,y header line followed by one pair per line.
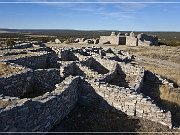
x,y
129,39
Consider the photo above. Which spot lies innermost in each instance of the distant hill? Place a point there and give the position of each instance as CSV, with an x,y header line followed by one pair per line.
x,y
164,37
78,32
3,30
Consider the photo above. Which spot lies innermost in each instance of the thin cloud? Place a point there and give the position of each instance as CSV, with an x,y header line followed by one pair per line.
x,y
113,10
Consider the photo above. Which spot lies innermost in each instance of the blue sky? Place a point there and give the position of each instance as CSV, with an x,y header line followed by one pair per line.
x,y
91,16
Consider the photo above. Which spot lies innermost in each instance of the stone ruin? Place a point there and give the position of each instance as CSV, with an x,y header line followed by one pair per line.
x,y
57,41
129,39
86,41
52,80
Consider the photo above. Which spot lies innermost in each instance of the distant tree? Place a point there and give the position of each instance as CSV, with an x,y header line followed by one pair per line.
x,y
66,42
45,39
10,42
71,40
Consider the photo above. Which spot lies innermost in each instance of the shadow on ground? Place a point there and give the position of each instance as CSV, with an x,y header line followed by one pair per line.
x,y
120,79
151,88
94,114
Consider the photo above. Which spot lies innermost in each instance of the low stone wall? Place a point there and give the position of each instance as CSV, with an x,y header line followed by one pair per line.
x,y
38,60
137,81
33,62
131,103
21,46
67,55
155,77
149,40
109,76
45,79
81,57
127,68
43,112
143,43
52,59
87,72
16,84
27,81
67,68
76,69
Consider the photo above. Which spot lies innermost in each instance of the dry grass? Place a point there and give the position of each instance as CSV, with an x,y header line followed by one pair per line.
x,y
173,95
6,69
166,93
8,103
3,103
167,72
166,53
165,62
18,56
162,52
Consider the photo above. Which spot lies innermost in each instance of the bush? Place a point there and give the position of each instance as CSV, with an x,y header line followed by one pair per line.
x,y
69,40
10,42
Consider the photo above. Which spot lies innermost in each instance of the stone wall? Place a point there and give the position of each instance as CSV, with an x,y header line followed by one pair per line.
x,y
67,55
76,69
110,64
131,41
111,39
86,72
43,112
28,81
67,69
157,78
95,65
150,40
33,62
16,84
143,43
110,75
41,60
103,39
45,79
132,103
21,46
52,59
130,72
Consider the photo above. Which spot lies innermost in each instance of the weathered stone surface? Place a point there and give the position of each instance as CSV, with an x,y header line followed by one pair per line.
x,y
97,70
57,41
129,39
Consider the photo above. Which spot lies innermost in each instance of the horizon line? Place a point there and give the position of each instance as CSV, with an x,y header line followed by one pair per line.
x,y
88,30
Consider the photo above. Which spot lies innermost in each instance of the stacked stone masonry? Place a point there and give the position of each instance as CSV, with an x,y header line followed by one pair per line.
x,y
129,39
57,75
